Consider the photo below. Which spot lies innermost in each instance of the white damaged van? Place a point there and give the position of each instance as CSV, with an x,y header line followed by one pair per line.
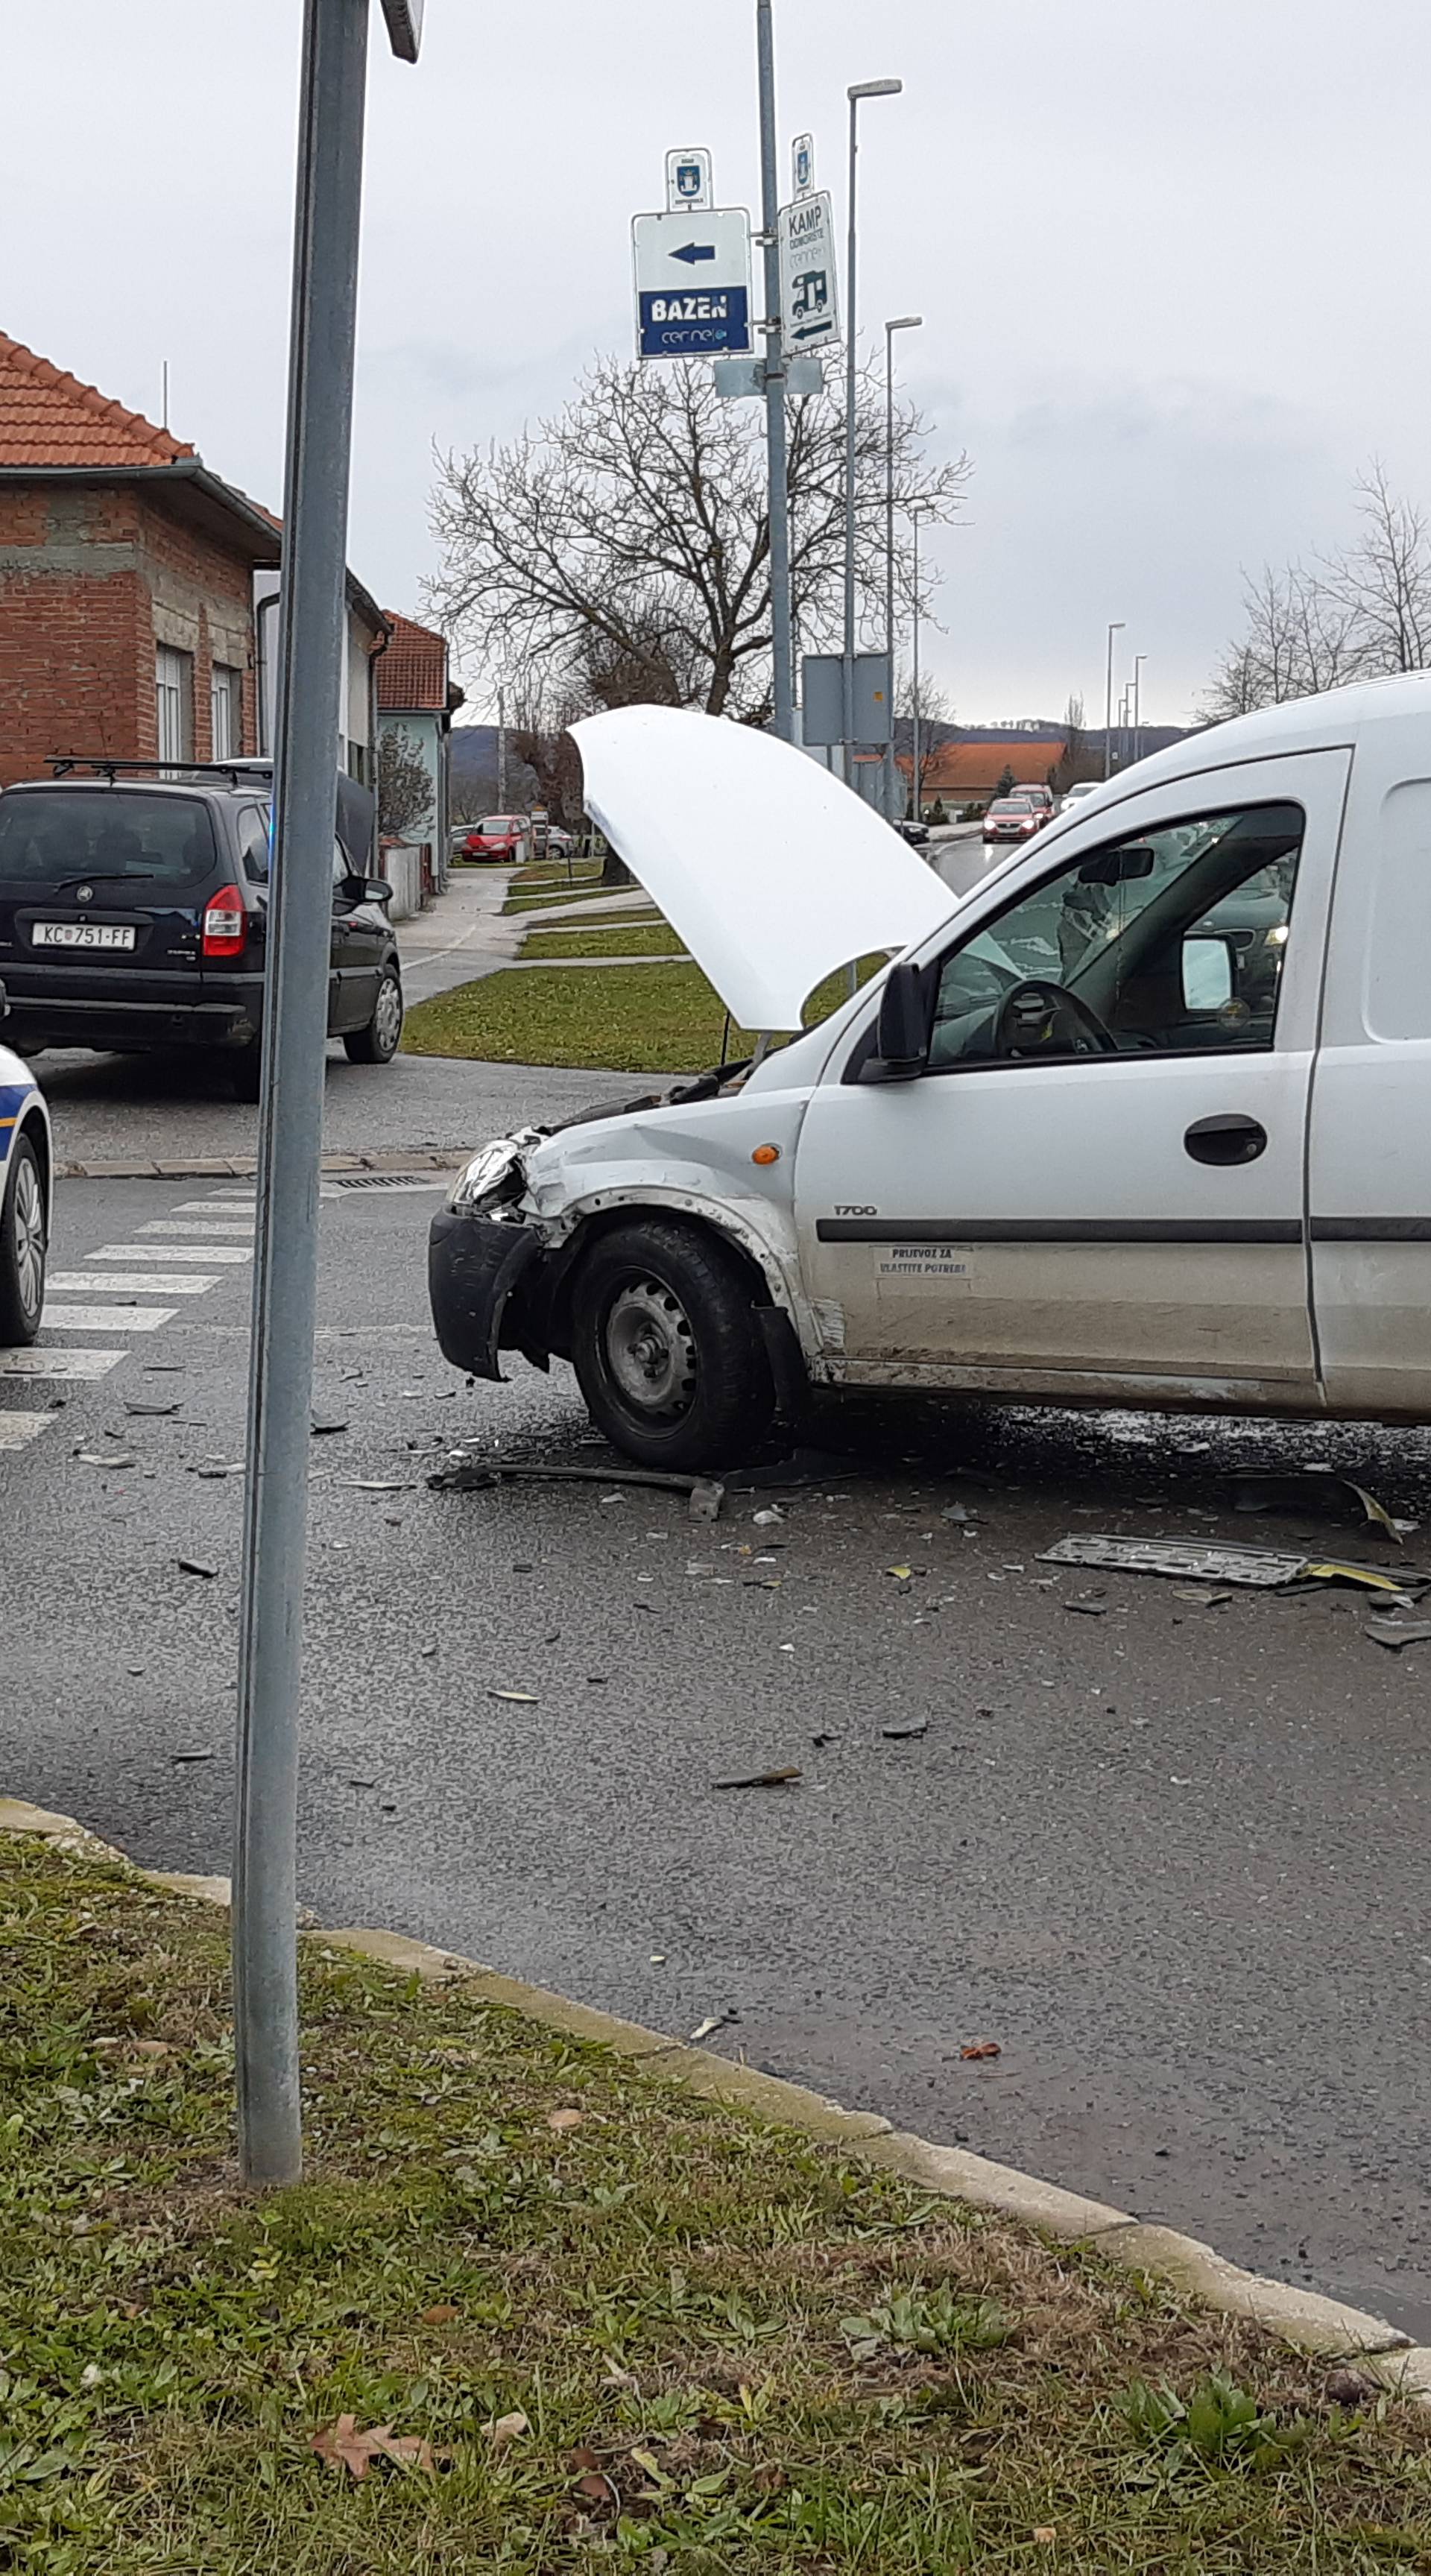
x,y
1143,1120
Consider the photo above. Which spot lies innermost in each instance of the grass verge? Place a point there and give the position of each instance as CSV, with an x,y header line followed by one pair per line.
x,y
641,939
635,1019
563,2316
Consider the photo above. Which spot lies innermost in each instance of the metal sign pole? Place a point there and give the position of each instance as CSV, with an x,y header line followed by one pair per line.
x,y
312,662
775,426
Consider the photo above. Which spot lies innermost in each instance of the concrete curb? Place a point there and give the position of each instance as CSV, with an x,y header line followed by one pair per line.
x,y
243,1167
1182,2264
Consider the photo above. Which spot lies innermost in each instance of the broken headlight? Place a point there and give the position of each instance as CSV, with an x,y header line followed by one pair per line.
x,y
494,1177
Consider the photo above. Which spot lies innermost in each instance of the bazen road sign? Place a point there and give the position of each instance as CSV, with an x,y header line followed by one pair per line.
x,y
809,280
692,283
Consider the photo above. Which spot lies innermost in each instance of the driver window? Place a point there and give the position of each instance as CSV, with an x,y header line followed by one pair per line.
x,y
1166,942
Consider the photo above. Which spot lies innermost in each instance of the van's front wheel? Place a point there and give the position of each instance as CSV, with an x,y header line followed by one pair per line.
x,y
666,1348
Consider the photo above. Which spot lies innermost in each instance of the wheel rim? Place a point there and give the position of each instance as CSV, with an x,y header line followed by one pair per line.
x,y
651,1350
28,1217
387,1014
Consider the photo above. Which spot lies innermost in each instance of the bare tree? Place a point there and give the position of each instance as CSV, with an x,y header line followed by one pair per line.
x,y
404,786
624,543
1359,614
1381,584
935,711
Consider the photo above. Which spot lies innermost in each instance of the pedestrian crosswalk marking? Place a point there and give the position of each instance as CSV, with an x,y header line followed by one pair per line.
x,y
122,1283
236,1229
61,1363
236,1215
229,1252
105,1319
16,1428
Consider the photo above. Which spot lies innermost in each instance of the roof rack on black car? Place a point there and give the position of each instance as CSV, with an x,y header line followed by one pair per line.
x,y
65,763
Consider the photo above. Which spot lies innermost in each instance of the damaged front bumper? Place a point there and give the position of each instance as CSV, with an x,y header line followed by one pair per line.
x,y
489,1286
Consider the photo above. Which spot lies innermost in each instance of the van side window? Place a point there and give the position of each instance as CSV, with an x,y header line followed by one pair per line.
x,y
1397,1001
1168,942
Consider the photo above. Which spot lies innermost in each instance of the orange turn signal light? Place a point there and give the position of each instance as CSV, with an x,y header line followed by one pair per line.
x,y
766,1154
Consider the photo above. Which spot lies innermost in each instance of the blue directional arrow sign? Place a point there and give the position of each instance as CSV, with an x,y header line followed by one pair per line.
x,y
680,314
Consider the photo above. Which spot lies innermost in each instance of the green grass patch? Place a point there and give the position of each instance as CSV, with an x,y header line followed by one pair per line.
x,y
643,938
636,1019
572,2318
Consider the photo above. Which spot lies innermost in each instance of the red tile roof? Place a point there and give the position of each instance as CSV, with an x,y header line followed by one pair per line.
x,y
48,418
975,768
412,673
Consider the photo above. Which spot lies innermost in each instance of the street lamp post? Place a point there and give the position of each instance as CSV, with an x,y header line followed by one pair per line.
x,y
905,322
1138,660
914,661
1116,628
860,89
777,463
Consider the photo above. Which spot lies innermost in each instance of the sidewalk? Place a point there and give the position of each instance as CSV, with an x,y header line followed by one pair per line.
x,y
463,936
556,2290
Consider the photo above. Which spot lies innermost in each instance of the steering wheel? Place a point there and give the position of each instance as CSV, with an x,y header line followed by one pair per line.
x,y
1038,1018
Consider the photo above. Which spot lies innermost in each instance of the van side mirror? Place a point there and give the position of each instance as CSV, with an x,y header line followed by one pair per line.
x,y
375,890
902,1030
1209,974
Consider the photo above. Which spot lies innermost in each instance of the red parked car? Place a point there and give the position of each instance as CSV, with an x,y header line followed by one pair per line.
x,y
497,836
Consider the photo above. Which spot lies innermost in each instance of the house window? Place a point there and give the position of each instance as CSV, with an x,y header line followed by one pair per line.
x,y
226,701
174,696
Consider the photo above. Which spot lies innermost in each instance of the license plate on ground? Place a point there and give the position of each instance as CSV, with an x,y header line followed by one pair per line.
x,y
80,934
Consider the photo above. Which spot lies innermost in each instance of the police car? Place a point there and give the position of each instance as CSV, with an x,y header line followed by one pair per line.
x,y
26,1182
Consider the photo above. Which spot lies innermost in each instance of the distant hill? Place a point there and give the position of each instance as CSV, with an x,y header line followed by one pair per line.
x,y
474,771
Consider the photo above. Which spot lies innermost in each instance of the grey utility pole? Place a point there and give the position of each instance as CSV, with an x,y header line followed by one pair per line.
x,y
861,89
905,322
1115,629
775,440
311,664
1138,660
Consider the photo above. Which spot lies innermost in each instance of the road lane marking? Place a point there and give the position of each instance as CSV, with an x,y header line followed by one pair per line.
x,y
105,1319
121,1283
228,1252
234,1229
17,1428
74,1364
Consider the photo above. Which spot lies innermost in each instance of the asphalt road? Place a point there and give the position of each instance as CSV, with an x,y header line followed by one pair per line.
x,y
1171,1856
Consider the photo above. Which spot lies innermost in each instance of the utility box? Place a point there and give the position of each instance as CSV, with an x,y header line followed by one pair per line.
x,y
822,685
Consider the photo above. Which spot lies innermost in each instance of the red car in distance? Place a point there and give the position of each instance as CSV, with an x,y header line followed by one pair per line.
x,y
497,836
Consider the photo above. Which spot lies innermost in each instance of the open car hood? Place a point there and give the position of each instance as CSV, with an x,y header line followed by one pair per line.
x,y
771,870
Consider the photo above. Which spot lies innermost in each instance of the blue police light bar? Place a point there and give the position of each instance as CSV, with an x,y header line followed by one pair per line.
x,y
404,19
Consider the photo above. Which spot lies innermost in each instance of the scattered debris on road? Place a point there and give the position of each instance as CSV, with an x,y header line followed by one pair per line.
x,y
478,1475
759,1780
197,1565
1397,1633
713,2022
1264,1568
204,1754
905,1734
1093,1605
977,2048
524,1699
1318,1490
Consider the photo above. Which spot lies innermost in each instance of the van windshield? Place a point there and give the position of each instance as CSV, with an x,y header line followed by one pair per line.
x,y
55,835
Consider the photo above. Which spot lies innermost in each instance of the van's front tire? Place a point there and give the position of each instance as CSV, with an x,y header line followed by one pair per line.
x,y
666,1348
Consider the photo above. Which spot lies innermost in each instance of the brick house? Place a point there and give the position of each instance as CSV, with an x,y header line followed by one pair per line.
x,y
417,701
126,582
137,591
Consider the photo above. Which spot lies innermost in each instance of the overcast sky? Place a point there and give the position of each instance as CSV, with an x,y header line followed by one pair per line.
x,y
1170,258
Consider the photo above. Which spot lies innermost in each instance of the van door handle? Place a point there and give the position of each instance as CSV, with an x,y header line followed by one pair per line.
x,y
1230,1138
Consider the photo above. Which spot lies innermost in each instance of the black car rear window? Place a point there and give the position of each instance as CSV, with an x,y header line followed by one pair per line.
x,y
87,836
